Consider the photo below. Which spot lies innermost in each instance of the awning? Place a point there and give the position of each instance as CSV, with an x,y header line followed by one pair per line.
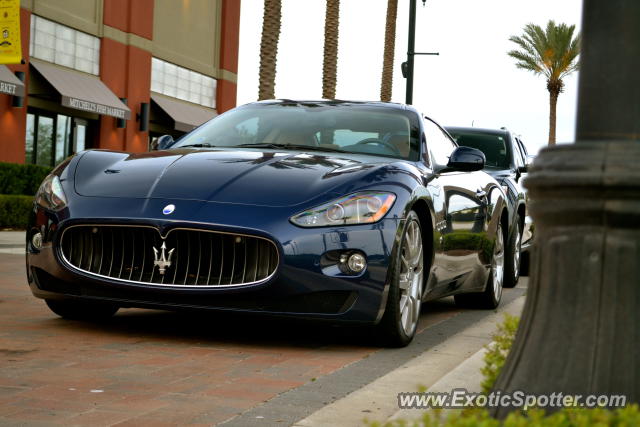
x,y
82,91
186,116
9,83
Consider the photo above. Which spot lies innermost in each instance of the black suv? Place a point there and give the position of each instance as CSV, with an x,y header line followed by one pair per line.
x,y
507,161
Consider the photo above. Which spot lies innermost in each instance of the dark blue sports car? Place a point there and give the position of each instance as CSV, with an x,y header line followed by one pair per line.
x,y
342,211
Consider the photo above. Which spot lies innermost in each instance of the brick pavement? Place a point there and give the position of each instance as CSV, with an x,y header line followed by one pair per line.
x,y
147,367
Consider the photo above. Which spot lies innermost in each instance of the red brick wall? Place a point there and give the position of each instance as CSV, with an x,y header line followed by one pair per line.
x,y
226,90
130,16
13,120
126,70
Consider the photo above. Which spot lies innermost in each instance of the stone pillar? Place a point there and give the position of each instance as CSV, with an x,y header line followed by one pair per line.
x,y
580,330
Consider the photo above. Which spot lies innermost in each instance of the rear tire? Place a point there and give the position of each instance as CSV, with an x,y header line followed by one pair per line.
x,y
491,296
524,263
82,310
400,321
513,258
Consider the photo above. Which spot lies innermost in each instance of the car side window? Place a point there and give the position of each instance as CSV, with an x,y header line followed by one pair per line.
x,y
518,159
523,148
438,143
522,152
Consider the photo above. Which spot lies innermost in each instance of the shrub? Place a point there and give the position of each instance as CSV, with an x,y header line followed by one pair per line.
x,y
498,350
15,210
21,179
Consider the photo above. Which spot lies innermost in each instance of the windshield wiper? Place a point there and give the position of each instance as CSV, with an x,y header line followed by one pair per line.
x,y
196,145
300,147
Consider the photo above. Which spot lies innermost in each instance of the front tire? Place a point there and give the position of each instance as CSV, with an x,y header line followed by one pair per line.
x,y
82,310
492,294
513,258
400,321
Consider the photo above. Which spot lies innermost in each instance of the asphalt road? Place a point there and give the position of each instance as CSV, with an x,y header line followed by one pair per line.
x,y
147,367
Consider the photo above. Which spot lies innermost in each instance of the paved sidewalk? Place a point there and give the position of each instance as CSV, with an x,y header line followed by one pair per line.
x,y
453,364
12,242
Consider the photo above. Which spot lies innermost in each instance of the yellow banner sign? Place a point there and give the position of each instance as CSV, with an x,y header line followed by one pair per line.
x,y
10,47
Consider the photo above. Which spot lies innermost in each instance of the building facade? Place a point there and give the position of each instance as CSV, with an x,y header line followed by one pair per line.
x,y
114,74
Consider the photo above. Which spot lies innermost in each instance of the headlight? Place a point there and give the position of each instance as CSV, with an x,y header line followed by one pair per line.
x,y
359,208
50,194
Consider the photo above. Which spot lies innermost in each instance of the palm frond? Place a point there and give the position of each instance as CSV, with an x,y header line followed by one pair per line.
x,y
552,52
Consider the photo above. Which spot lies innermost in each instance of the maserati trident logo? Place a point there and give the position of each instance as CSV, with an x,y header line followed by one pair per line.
x,y
168,210
162,258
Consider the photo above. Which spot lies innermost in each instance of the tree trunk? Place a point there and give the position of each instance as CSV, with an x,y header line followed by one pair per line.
x,y
553,102
555,88
269,48
330,66
386,87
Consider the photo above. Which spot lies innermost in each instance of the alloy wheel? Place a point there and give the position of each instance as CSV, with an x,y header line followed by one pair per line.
x,y
497,264
410,279
516,254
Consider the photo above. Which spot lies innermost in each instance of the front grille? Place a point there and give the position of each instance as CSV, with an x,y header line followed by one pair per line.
x,y
193,257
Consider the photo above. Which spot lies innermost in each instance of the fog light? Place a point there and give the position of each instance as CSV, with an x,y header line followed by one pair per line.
x,y
36,241
356,262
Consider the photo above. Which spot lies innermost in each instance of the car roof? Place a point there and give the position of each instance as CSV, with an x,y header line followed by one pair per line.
x,y
477,130
336,102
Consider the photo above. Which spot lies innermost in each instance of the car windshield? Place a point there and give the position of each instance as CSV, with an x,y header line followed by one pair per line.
x,y
328,127
492,145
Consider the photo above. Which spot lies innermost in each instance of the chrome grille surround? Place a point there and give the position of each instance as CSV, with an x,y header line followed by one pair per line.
x,y
214,259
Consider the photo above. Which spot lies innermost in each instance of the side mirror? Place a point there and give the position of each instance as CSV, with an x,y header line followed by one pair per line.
x,y
528,162
163,142
466,159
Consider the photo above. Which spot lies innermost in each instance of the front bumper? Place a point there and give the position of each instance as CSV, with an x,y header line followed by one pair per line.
x,y
305,283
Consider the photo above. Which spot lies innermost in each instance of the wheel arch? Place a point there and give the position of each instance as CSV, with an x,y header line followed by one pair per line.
x,y
425,214
521,213
504,222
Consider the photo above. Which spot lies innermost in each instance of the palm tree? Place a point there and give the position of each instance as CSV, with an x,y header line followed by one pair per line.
x,y
269,48
330,66
389,51
552,53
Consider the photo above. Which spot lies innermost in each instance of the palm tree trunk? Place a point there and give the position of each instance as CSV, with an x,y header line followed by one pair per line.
x,y
330,66
553,102
269,48
554,86
386,86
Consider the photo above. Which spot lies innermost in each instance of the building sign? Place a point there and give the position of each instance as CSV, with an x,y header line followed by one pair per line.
x,y
10,47
9,83
9,88
93,107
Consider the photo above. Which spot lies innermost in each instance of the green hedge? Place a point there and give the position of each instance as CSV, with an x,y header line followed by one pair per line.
x,y
14,211
622,417
21,179
498,350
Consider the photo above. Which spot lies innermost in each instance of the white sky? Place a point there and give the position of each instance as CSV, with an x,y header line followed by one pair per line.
x,y
473,79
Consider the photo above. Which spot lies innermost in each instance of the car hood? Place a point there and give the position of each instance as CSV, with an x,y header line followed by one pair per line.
x,y
255,177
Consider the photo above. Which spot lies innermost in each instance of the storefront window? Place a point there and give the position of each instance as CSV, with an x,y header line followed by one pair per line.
x,y
178,82
44,151
79,135
62,45
63,136
52,138
30,137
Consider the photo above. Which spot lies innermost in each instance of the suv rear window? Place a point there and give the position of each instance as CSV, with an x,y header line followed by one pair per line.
x,y
493,146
